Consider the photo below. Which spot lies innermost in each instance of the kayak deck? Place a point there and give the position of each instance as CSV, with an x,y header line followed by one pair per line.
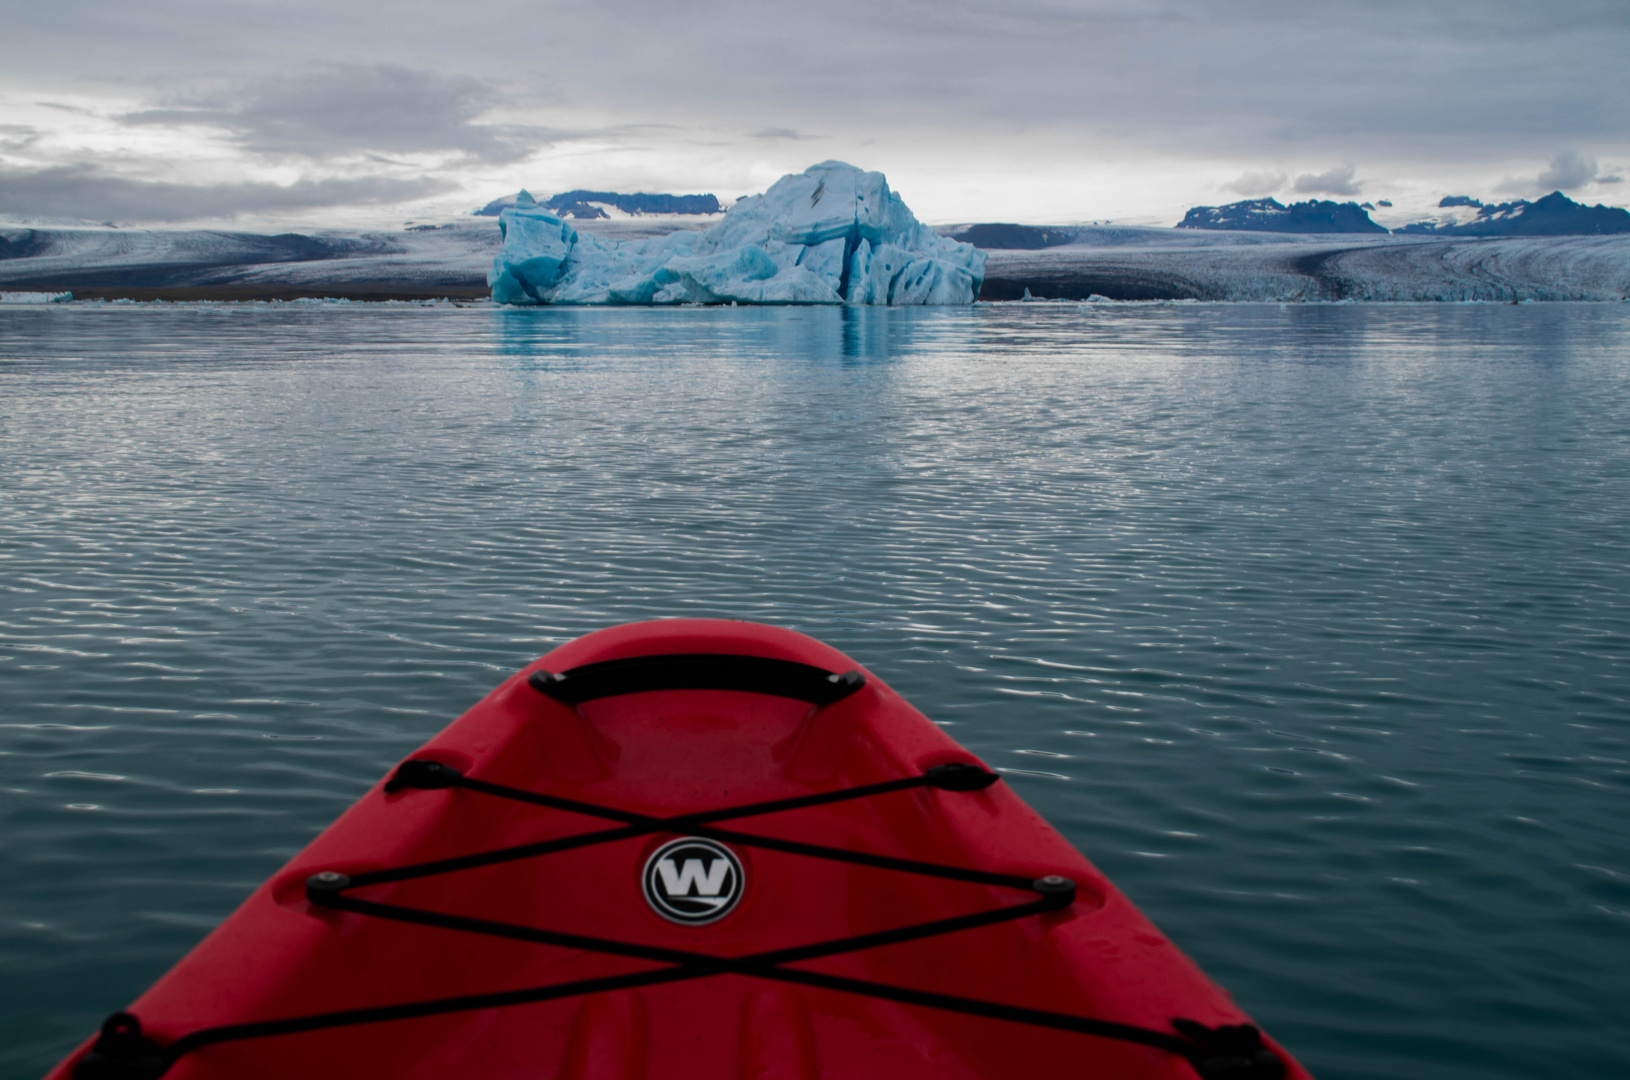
x,y
533,894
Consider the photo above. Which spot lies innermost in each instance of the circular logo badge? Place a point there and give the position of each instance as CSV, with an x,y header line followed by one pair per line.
x,y
692,881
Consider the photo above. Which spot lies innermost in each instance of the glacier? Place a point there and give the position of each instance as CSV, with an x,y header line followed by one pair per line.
x,y
1133,263
1074,262
833,234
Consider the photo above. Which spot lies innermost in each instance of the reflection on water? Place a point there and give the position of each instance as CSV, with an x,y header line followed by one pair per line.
x,y
559,339
1307,624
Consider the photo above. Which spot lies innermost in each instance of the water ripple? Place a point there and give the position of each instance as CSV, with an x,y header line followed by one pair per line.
x,y
1309,625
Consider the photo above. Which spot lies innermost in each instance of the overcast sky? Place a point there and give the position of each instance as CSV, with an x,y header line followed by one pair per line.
x,y
1018,110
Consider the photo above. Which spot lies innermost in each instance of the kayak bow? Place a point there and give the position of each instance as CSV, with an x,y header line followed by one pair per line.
x,y
686,849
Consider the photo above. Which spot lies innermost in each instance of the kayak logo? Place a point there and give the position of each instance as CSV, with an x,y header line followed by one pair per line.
x,y
692,881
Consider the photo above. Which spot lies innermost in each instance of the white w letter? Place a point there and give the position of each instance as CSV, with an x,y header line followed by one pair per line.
x,y
677,882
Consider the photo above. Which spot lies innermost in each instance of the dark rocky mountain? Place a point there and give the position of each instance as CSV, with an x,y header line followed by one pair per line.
x,y
1268,215
22,243
496,207
1554,215
996,236
1458,200
580,204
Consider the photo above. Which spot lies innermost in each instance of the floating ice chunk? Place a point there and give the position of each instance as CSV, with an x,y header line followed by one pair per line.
x,y
542,243
35,297
832,234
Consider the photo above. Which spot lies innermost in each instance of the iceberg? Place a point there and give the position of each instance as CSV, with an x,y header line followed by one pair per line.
x,y
833,234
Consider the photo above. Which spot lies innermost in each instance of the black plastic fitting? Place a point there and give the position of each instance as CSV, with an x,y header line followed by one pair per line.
x,y
848,681
1231,1052
327,883
426,775
960,776
1057,890
121,1052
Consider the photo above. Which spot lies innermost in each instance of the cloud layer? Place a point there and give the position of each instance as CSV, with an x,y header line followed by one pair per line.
x,y
339,109
1569,170
1337,181
81,192
1086,104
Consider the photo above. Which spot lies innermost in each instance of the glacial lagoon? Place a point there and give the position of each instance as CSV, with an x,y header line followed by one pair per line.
x,y
1309,624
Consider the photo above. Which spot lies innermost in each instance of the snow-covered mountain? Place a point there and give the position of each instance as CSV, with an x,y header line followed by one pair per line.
x,y
1269,215
1554,215
1002,236
588,205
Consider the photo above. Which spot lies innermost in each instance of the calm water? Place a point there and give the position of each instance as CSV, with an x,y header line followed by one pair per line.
x,y
1309,625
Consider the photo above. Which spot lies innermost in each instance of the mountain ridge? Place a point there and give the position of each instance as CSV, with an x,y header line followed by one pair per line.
x,y
1270,215
581,204
1553,215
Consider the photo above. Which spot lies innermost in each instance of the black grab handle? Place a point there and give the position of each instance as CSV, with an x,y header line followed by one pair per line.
x,y
698,671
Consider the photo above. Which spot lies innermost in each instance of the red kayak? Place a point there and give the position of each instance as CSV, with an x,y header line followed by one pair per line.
x,y
685,849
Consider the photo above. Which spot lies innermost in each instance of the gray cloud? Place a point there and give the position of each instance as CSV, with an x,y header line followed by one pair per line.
x,y
1337,181
82,192
17,137
1457,90
1253,184
779,133
1458,78
1250,74
351,108
1568,170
